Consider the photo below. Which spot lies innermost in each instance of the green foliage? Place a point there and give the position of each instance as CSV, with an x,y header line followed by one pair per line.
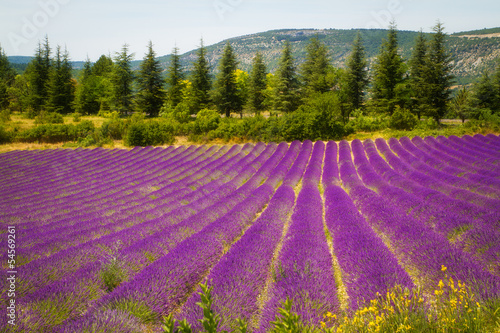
x,y
201,80
52,133
315,68
320,118
5,136
149,133
206,121
114,128
286,92
4,116
122,81
150,95
175,77
288,321
356,78
49,118
112,274
226,96
61,88
403,119
257,84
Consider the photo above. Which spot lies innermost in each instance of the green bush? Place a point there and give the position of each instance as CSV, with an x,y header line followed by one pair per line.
x,y
49,118
114,128
403,119
5,116
206,121
5,137
149,133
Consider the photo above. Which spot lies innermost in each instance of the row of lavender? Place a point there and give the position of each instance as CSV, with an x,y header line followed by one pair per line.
x,y
229,216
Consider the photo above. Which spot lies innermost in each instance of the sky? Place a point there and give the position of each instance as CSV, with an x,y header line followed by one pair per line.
x,y
90,28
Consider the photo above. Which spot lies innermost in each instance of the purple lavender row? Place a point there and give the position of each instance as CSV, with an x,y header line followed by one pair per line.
x,y
482,187
93,197
312,175
367,265
330,169
490,138
470,160
471,172
298,167
444,221
419,249
456,143
53,240
50,169
246,251
110,201
240,277
134,255
162,285
472,143
115,176
79,175
304,273
462,208
42,271
439,180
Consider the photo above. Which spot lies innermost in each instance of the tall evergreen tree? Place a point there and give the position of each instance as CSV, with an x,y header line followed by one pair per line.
x,y
314,70
86,97
150,94
438,74
418,83
61,86
175,77
226,95
201,82
485,94
287,88
38,76
7,77
257,84
103,66
123,79
356,75
388,73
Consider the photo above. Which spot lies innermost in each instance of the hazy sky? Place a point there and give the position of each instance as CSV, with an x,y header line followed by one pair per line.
x,y
94,27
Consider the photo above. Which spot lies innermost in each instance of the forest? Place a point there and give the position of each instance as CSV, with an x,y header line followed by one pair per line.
x,y
315,101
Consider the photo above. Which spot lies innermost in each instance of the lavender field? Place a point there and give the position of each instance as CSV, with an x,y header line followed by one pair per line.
x,y
112,240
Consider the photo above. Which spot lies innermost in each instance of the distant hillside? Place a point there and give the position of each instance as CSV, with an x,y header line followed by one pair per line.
x,y
471,55
473,51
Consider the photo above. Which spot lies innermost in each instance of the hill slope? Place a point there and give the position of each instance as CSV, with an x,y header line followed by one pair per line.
x,y
472,51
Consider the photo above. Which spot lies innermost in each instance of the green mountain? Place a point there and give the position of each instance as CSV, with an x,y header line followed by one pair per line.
x,y
472,51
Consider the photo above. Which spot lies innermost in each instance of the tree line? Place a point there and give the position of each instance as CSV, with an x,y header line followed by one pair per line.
x,y
315,93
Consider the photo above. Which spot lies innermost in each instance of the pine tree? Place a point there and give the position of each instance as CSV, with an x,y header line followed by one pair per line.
x,y
485,94
61,86
438,74
287,89
7,77
123,79
150,94
226,95
315,69
356,75
257,84
87,95
175,77
201,82
388,73
38,76
418,83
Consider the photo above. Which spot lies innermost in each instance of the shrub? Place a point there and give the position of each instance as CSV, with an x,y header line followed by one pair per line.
x,y
149,133
5,116
206,121
114,128
403,119
49,118
5,137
